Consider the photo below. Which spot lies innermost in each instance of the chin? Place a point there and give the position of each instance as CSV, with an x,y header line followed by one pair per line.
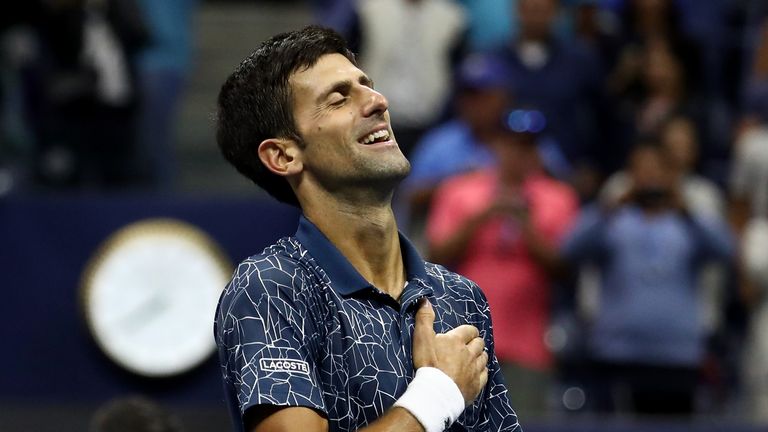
x,y
386,176
401,169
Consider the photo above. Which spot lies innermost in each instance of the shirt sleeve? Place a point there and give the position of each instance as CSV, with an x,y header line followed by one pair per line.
x,y
265,334
714,236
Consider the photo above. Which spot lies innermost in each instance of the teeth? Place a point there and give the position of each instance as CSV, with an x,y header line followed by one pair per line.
x,y
376,135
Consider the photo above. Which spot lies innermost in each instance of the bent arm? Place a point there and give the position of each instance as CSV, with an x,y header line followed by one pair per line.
x,y
585,241
715,238
452,249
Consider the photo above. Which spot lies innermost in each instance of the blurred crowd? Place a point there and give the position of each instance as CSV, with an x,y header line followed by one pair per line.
x,y
89,92
598,167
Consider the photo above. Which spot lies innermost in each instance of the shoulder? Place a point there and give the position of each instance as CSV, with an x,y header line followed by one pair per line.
x,y
443,138
554,190
277,272
556,186
752,144
704,194
434,138
593,213
447,10
614,187
469,182
275,263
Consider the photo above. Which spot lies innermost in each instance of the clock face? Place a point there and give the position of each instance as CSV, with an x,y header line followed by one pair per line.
x,y
150,295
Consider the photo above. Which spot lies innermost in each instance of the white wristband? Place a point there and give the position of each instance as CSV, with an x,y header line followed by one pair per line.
x,y
433,398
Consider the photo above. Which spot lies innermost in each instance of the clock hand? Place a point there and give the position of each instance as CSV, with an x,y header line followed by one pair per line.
x,y
143,314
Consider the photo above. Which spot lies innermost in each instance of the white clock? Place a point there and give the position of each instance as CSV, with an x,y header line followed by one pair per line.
x,y
150,294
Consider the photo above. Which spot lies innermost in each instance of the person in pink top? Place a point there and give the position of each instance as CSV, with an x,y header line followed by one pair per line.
x,y
501,226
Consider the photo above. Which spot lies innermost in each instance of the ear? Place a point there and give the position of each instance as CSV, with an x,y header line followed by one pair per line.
x,y
282,156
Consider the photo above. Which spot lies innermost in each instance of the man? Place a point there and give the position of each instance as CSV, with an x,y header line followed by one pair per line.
x,y
334,328
748,213
648,338
500,226
411,47
460,144
134,414
559,77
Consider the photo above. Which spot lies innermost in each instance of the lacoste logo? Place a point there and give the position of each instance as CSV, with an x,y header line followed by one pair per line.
x,y
283,365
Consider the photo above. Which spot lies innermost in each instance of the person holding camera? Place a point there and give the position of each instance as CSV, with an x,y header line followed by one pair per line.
x,y
501,225
648,340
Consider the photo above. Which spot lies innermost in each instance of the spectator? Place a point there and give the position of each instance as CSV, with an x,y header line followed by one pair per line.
x,y
645,21
647,340
501,225
336,14
559,77
679,142
656,46
749,216
597,28
133,414
664,88
458,145
17,40
680,147
491,22
409,47
648,97
163,67
82,94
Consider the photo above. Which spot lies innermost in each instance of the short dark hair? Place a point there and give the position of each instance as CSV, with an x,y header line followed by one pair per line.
x,y
134,414
256,103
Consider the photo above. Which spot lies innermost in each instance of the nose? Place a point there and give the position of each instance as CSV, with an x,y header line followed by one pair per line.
x,y
375,104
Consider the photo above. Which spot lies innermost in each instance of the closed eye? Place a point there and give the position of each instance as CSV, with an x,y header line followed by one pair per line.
x,y
337,100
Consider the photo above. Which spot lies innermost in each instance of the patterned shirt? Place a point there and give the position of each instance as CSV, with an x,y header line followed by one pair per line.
x,y
299,326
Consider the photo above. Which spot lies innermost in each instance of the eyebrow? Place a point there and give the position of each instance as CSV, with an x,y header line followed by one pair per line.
x,y
344,87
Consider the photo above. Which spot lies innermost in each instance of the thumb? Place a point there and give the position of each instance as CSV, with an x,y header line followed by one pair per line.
x,y
424,336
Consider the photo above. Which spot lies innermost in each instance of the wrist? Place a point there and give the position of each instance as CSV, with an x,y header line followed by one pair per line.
x,y
433,399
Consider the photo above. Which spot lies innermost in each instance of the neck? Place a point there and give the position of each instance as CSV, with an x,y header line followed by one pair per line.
x,y
366,235
531,36
512,180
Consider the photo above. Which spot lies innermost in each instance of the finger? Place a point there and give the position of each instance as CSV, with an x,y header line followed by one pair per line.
x,y
483,378
481,362
464,332
476,346
424,336
425,315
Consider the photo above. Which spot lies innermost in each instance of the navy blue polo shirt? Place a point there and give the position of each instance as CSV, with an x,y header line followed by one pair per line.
x,y
299,326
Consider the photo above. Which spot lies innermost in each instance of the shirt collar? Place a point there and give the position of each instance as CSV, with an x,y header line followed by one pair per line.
x,y
346,279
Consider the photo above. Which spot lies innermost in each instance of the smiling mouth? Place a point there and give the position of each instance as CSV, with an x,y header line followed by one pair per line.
x,y
375,137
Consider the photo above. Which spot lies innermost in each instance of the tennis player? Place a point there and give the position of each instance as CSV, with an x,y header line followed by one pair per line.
x,y
343,326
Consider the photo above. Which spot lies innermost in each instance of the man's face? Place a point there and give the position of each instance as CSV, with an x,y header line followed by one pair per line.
x,y
537,17
649,169
483,109
679,143
515,153
344,124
